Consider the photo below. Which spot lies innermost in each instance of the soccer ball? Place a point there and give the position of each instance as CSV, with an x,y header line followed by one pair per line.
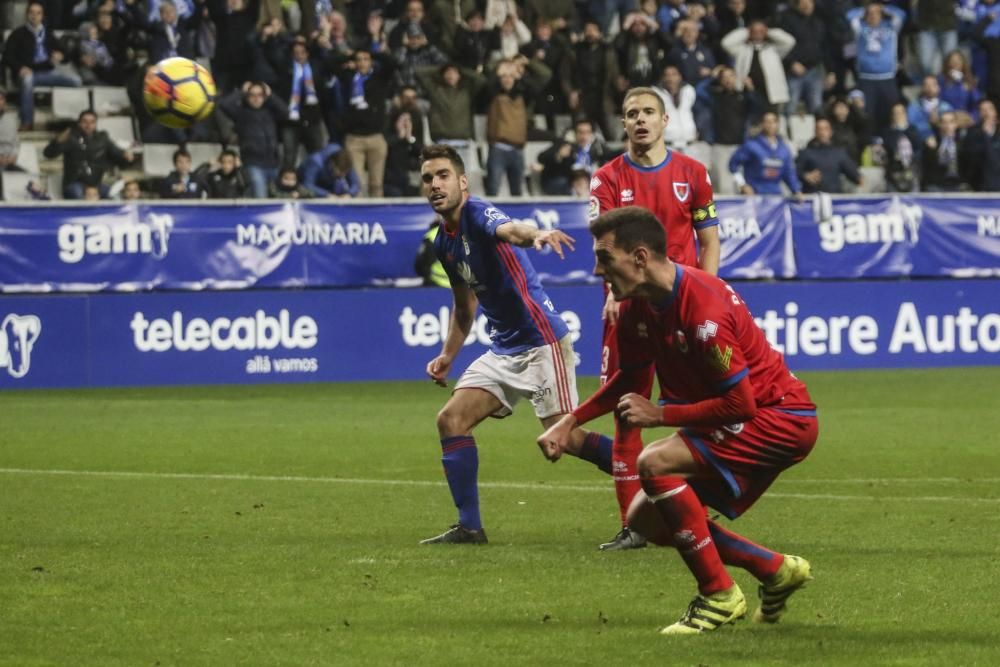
x,y
179,92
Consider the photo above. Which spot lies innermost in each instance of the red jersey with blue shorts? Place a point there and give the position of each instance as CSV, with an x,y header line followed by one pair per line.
x,y
677,191
704,341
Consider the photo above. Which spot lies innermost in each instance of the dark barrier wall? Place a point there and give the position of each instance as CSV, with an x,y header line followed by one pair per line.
x,y
131,247
257,336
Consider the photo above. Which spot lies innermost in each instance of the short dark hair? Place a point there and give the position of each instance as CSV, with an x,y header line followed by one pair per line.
x,y
228,152
633,226
180,152
85,112
435,151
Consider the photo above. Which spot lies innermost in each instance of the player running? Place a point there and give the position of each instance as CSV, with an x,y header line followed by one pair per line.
x,y
677,190
531,356
744,417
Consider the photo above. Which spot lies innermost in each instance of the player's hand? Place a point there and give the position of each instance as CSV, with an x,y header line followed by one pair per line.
x,y
746,190
555,239
438,369
610,311
557,438
636,410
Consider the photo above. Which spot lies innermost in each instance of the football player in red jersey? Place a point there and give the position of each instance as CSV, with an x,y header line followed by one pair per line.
x,y
743,417
678,191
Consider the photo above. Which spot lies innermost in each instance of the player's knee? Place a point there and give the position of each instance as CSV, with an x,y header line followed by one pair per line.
x,y
450,422
648,464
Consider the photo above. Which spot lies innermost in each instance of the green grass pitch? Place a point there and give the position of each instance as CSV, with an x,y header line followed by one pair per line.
x,y
279,526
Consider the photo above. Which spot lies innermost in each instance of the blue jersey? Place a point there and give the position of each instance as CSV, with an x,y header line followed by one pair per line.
x,y
521,316
765,166
877,46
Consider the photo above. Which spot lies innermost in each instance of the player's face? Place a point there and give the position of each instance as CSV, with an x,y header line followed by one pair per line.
x,y
644,122
442,186
617,267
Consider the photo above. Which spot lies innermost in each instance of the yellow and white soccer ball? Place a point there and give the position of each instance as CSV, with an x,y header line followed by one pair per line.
x,y
179,92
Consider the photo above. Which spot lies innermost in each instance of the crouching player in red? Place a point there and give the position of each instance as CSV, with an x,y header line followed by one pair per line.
x,y
743,417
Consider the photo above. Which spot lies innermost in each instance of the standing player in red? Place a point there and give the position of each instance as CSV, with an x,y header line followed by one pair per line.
x,y
744,417
678,191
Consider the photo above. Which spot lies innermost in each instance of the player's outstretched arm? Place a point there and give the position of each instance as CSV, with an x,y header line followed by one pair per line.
x,y
462,315
527,236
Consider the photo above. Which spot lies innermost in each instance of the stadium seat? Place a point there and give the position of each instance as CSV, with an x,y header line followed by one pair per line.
x,y
69,102
119,128
801,129
532,150
479,128
110,100
158,159
15,185
202,152
564,123
27,157
873,179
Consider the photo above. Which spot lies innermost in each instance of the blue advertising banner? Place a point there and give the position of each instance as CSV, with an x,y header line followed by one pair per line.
x,y
346,335
134,247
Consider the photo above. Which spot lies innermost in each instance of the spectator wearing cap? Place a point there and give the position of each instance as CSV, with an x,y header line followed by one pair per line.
x,y
414,17
452,92
757,52
876,30
31,54
415,52
804,63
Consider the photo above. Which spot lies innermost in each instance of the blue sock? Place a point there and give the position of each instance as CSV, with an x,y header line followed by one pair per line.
x,y
597,449
461,466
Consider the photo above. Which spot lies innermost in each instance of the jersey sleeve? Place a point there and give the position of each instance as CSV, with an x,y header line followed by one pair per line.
x,y
602,197
703,199
634,333
489,218
715,340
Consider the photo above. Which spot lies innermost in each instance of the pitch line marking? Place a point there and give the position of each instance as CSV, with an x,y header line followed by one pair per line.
x,y
235,477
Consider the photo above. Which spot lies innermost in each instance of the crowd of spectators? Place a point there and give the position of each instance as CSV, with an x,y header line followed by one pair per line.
x,y
335,98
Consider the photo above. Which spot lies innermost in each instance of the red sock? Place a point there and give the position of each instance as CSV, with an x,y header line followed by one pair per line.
x,y
739,551
624,469
685,518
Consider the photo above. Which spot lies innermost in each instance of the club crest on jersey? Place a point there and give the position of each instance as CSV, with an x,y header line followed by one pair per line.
x,y
682,190
682,341
706,330
627,195
465,244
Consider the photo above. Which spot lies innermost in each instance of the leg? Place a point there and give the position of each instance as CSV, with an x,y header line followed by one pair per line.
x,y
664,468
73,191
258,181
356,149
814,90
463,411
289,146
494,172
377,151
26,88
927,50
515,172
795,85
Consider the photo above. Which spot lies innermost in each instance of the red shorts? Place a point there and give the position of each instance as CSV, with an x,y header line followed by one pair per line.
x,y
739,462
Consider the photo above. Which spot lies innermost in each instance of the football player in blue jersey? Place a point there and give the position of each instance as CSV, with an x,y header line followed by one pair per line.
x,y
531,355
